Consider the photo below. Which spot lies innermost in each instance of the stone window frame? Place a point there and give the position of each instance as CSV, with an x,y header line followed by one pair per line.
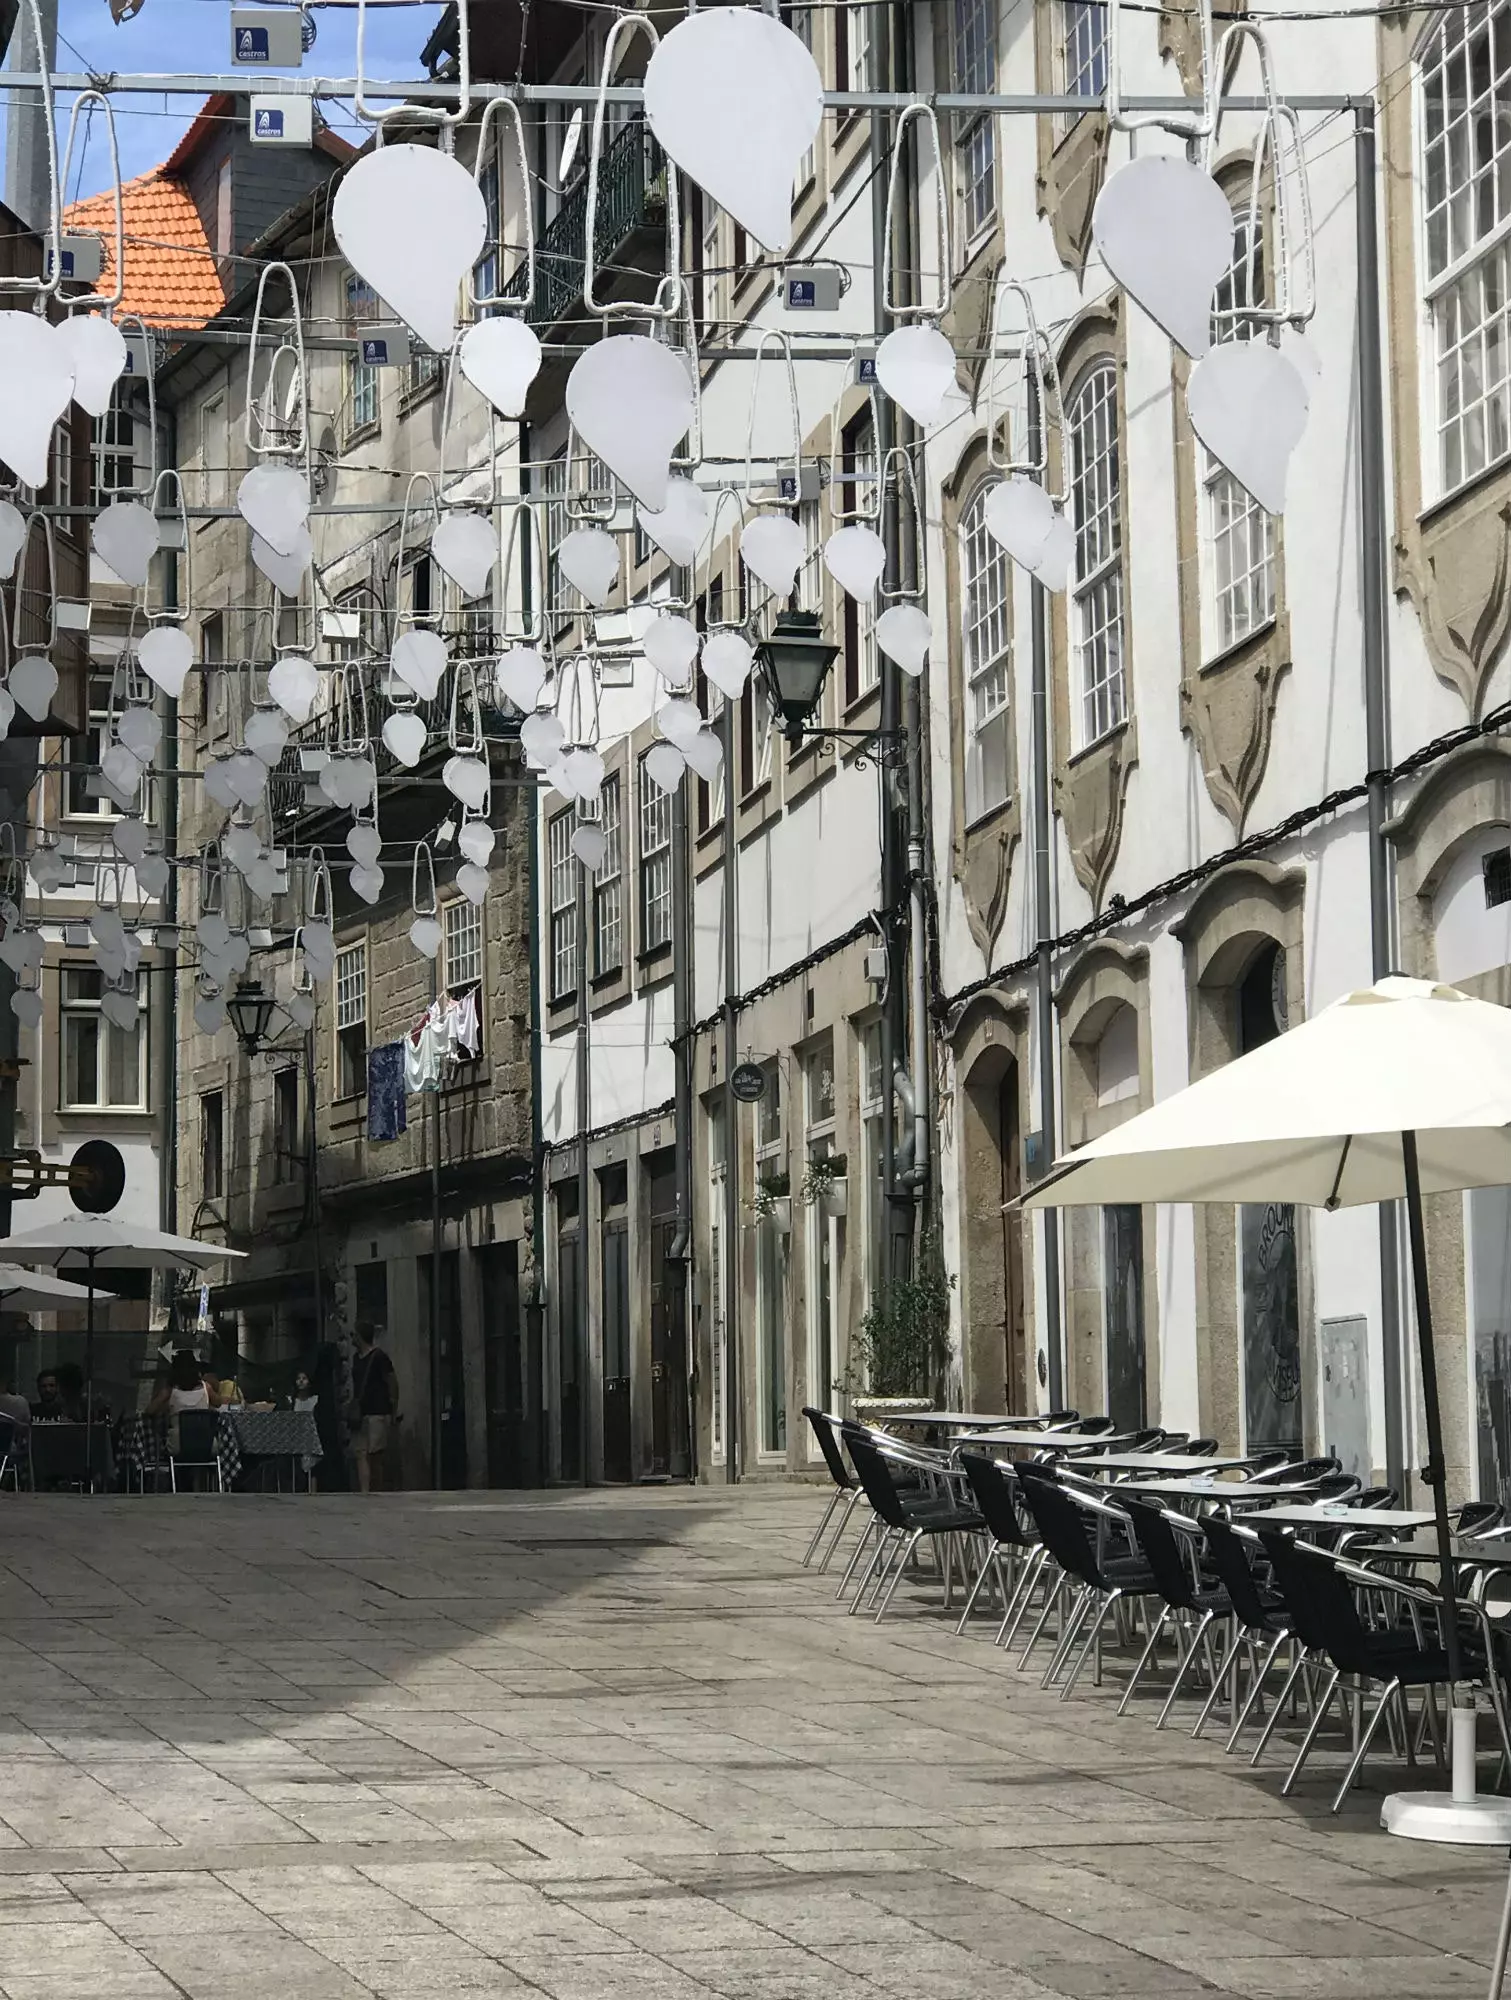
x,y
1452,555
1102,979
991,1039
1236,913
1072,158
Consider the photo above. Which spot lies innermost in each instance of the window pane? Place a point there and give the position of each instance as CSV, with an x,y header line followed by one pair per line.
x,y
81,1059
123,1047
1096,505
987,651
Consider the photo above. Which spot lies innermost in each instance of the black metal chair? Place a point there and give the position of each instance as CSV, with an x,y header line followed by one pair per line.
x,y
847,1488
1186,1602
194,1450
1257,1613
12,1452
1101,1582
906,1519
991,1487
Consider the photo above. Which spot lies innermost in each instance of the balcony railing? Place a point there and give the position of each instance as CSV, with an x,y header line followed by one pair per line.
x,y
631,196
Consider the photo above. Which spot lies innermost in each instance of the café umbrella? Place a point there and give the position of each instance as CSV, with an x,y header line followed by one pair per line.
x,y
87,1243
1398,1090
31,1291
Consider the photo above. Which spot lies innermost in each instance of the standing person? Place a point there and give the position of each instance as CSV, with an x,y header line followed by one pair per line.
x,y
374,1406
305,1401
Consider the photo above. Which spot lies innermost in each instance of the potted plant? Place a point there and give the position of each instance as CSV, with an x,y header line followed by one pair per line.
x,y
825,1185
772,1202
902,1343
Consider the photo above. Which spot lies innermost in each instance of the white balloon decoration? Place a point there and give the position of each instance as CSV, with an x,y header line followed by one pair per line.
x,y
772,547
904,634
465,547
1248,405
294,683
412,221
1164,229
274,501
33,681
501,358
590,845
97,350
664,765
678,529
916,367
589,560
671,646
36,387
419,661
630,400
727,659
519,676
125,536
856,557
165,656
405,737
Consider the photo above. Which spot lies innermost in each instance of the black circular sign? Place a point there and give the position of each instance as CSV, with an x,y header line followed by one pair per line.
x,y
748,1082
96,1176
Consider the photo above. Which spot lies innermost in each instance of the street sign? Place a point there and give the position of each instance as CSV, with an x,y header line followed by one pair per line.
x,y
283,121
384,347
266,37
812,288
748,1082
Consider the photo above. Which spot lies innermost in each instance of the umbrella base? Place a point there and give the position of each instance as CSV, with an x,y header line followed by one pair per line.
x,y
1477,1822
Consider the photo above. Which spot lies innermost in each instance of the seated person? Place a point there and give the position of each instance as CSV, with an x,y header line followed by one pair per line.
x,y
50,1408
184,1389
13,1406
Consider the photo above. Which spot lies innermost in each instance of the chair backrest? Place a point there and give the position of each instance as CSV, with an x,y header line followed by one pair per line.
x,y
1200,1447
7,1436
1377,1496
1475,1515
993,1487
1157,1543
1061,1524
1147,1440
196,1436
1319,1599
875,1475
1295,1472
59,1451
1231,1562
1270,1465
1338,1486
824,1428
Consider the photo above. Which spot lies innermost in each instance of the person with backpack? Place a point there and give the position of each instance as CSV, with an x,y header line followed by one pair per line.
x,y
374,1407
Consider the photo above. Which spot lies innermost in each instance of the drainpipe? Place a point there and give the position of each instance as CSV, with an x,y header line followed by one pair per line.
x,y
1376,647
584,1187
534,1311
734,1410
682,1088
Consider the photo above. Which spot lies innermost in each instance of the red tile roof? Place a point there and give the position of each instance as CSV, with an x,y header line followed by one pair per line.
x,y
171,275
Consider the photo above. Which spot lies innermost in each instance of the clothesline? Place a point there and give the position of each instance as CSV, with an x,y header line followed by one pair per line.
x,y
446,1034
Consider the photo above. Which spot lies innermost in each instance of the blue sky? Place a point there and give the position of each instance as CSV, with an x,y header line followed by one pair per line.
x,y
195,36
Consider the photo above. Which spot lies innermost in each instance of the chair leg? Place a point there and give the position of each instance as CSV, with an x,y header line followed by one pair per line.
x,y
1201,1633
1256,1689
880,1563
1367,1738
860,1547
1069,1633
1023,1593
1052,1598
1104,1612
1311,1735
908,1548
835,1497
1298,1666
1156,1631
991,1566
839,1533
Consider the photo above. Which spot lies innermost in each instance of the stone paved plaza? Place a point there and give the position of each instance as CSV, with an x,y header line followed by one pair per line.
x,y
620,1746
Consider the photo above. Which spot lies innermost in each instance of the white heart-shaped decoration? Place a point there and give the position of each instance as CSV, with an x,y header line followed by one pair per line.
x,y
412,221
501,358
772,548
26,1005
589,560
264,879
1248,406
294,683
1019,514
855,557
582,770
210,1013
7,713
36,387
366,883
153,874
129,839
97,350
267,735
274,501
541,737
13,950
165,656
425,936
237,955
364,844
476,840
405,737
472,880
49,870
465,546
671,646
727,660
286,573
663,765
249,777
107,929
318,943
12,535
111,963
466,778
1057,555
241,846
300,1008
736,100
419,660
125,537
679,722
217,782
630,400
590,845
916,367
141,730
33,681
520,673
119,1006
704,753
678,529
1165,231
121,770
212,931
903,633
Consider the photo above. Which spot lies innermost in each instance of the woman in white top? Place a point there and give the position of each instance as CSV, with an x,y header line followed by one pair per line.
x,y
184,1390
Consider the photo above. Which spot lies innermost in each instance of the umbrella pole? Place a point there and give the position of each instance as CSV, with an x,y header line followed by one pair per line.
x,y
89,1377
1435,1470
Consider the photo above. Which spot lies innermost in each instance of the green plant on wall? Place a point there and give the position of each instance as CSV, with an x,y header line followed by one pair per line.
x,y
819,1177
904,1338
767,1194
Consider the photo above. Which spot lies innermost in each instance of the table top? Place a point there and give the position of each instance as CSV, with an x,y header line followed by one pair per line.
x,y
1235,1492
1338,1514
1156,1461
1494,1554
968,1420
1032,1440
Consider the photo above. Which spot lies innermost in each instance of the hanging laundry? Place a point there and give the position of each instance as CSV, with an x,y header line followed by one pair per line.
x,y
387,1112
425,1051
463,1032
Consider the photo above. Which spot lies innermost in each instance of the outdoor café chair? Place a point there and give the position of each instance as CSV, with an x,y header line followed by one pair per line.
x,y
195,1451
991,1486
907,1520
847,1488
1283,1471
1480,1517
1101,1583
1189,1604
10,1452
1257,1614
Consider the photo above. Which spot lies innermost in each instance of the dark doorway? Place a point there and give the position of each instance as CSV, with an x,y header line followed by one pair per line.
x,y
512,1376
452,1472
615,1251
671,1456
1014,1343
1123,1280
568,1333
1267,1249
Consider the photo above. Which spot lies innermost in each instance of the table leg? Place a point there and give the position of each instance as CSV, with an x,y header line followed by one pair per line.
x,y
1502,1945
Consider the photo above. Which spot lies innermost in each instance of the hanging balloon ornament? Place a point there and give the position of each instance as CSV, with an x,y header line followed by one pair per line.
x,y
773,547
33,679
21,946
95,346
903,631
12,538
274,496
300,1004
465,771
364,843
51,869
855,554
915,363
588,554
678,529
664,765
294,683
410,219
1247,398
316,957
1021,513
727,654
425,923
349,776
735,99
499,353
671,645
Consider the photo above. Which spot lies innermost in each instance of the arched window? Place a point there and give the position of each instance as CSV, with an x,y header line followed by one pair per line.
x,y
1239,571
987,651
1091,420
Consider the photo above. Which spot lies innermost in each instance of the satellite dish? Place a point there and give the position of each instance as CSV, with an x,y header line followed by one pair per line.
x,y
96,1177
570,147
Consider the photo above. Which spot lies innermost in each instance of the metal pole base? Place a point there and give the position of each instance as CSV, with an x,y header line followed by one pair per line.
x,y
1479,1822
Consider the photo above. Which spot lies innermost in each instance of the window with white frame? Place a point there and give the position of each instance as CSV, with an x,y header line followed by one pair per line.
x,y
1083,52
553,486
112,456
608,885
61,492
987,650
856,30
862,662
1465,97
562,870
485,272
1091,421
974,52
462,953
800,21
361,379
84,797
104,1067
1238,575
655,865
351,1019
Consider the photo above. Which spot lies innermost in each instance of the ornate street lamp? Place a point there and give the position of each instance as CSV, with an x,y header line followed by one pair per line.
x,y
795,660
250,1011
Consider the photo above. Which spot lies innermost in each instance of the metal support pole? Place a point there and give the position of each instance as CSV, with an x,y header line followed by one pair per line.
x,y
1435,1472
436,1433
312,1182
1044,1014
1376,641
682,1106
734,1411
584,1119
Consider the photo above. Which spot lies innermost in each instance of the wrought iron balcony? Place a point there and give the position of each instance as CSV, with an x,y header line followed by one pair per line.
x,y
631,197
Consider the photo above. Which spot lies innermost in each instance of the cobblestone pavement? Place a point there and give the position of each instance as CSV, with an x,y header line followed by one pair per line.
x,y
620,1746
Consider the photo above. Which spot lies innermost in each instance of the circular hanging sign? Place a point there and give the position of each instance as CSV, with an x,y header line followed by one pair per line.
x,y
96,1177
748,1082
